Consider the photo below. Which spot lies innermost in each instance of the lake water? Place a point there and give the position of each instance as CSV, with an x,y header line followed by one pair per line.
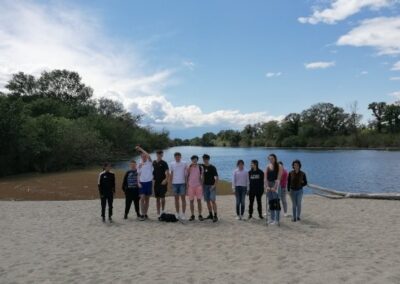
x,y
346,170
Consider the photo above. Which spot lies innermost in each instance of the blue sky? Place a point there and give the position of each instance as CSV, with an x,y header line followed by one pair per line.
x,y
194,66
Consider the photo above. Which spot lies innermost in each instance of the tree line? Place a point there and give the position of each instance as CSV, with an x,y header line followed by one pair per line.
x,y
53,123
321,125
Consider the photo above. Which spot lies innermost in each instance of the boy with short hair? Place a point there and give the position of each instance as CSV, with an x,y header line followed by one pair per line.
x,y
130,187
195,186
106,186
146,182
178,181
161,177
210,187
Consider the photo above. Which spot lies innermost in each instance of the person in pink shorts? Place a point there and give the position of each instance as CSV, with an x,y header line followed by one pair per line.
x,y
195,186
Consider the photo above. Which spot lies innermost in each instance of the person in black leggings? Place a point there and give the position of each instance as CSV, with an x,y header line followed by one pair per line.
x,y
256,188
130,187
106,185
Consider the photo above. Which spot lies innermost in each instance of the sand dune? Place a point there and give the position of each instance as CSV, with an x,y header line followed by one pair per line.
x,y
355,241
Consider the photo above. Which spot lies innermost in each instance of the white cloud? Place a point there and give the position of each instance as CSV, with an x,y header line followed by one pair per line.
x,y
396,66
273,74
160,111
396,95
319,65
36,37
341,9
394,78
381,33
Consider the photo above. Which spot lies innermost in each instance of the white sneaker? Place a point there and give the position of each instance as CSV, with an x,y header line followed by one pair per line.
x,y
237,217
183,217
177,216
272,223
241,217
285,215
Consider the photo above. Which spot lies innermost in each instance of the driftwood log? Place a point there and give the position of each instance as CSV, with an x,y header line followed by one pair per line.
x,y
334,194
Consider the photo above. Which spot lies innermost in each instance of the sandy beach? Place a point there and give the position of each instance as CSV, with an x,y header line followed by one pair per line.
x,y
352,241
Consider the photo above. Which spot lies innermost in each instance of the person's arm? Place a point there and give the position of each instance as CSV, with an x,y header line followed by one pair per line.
x,y
201,174
304,179
216,178
262,179
99,184
165,181
140,149
288,182
171,175
265,180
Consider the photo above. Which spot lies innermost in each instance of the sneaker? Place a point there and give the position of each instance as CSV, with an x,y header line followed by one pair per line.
x,y
298,219
241,217
192,218
110,219
141,218
210,217
125,216
293,220
261,217
272,222
215,219
201,218
103,219
285,215
250,217
146,217
237,217
183,217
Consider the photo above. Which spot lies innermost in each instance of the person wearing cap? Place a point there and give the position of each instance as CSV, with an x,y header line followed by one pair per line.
x,y
106,185
195,186
161,177
210,187
178,170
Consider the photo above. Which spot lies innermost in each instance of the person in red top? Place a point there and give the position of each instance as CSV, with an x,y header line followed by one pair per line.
x,y
283,189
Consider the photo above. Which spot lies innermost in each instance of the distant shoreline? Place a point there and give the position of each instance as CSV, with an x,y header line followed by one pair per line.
x,y
300,148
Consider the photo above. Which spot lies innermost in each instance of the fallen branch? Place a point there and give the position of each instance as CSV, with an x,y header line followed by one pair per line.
x,y
334,194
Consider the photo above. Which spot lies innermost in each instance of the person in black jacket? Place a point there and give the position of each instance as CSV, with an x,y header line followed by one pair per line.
x,y
256,179
130,186
296,181
106,184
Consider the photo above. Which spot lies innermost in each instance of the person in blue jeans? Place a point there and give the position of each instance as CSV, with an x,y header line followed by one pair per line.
x,y
296,181
240,182
273,174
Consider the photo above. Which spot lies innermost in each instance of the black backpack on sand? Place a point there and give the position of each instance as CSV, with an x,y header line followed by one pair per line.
x,y
169,218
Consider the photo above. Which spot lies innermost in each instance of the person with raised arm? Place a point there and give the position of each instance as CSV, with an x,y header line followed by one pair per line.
x,y
146,182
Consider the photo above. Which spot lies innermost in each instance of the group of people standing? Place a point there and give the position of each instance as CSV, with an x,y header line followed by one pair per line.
x,y
276,182
199,181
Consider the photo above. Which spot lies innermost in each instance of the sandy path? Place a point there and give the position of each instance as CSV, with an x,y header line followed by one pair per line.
x,y
355,241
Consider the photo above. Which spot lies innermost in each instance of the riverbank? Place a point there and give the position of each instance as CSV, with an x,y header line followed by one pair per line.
x,y
337,241
71,185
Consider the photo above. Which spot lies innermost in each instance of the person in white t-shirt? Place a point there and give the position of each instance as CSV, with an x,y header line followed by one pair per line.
x,y
178,180
146,182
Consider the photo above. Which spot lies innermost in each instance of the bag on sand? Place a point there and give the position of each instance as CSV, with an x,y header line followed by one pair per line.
x,y
169,218
275,204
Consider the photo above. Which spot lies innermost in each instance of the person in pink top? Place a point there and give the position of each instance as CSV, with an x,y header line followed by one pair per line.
x,y
283,189
195,186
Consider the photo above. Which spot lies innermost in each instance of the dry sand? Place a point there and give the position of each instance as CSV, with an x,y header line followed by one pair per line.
x,y
354,241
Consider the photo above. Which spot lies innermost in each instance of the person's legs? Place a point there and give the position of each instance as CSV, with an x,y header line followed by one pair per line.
x,y
110,200
243,201
259,203
282,194
128,202
299,201
294,204
199,207
237,195
162,204
147,200
142,204
183,199
191,207
198,195
136,201
251,202
103,202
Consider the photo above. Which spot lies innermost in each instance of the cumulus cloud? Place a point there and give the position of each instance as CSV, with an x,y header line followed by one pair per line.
x,y
395,95
319,64
341,9
382,33
396,66
273,74
160,111
35,37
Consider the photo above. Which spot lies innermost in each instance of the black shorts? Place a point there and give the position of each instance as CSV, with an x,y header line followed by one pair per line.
x,y
160,190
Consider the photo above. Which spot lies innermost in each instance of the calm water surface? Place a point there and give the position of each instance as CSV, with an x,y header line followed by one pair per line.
x,y
347,170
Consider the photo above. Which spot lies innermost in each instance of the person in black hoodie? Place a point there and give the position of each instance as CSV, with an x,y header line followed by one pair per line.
x,y
106,185
130,186
256,178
